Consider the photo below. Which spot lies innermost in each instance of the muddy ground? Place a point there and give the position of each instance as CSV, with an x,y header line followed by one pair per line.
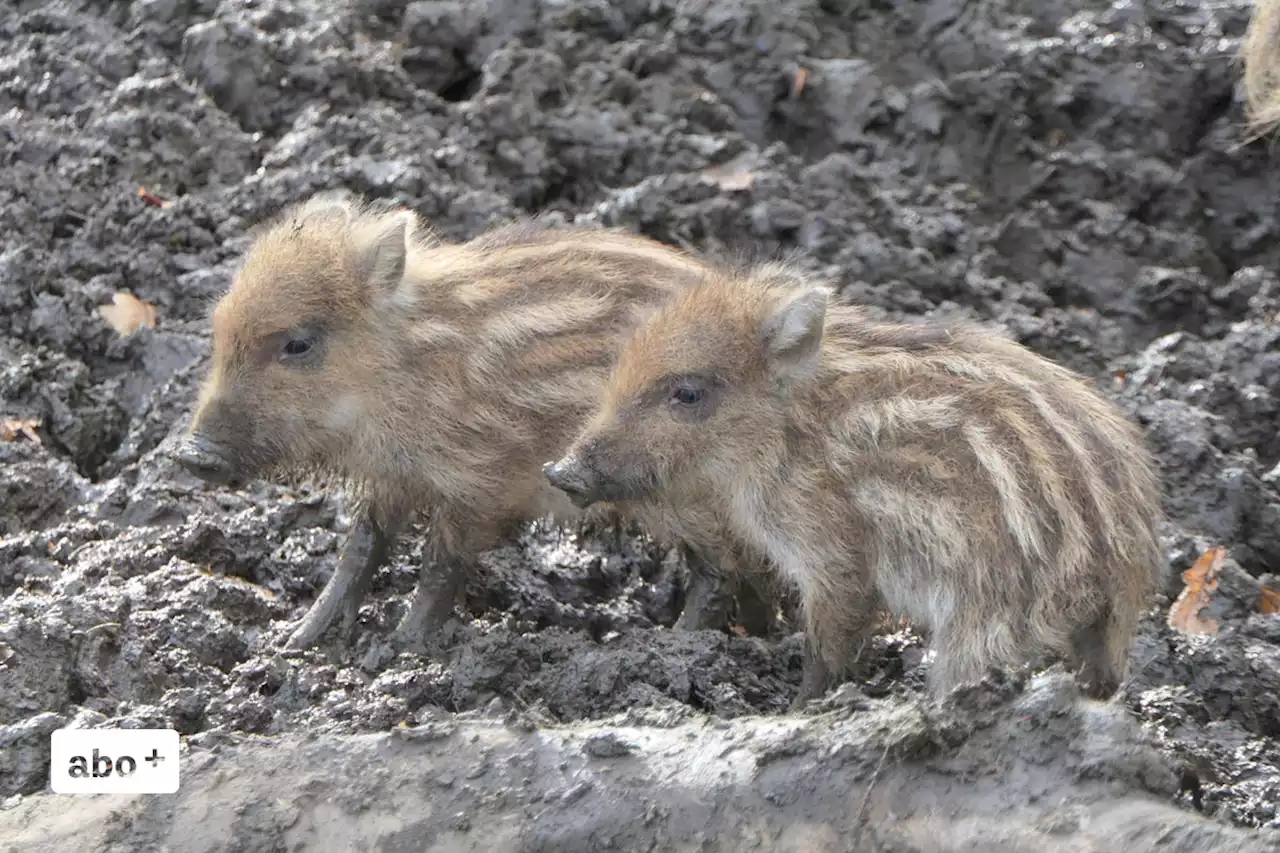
x,y
1003,768
1075,172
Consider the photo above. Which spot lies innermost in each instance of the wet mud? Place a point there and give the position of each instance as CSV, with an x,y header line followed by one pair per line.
x,y
1073,172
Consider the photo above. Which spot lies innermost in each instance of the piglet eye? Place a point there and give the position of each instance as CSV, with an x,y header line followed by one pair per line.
x,y
688,396
297,346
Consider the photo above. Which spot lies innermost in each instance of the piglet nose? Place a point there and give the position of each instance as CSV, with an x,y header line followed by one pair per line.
x,y
202,458
566,476
558,474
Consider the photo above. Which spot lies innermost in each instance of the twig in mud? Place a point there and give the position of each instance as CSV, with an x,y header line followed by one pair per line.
x,y
993,138
866,797
80,549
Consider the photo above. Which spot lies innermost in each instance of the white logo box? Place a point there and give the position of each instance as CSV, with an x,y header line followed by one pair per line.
x,y
114,761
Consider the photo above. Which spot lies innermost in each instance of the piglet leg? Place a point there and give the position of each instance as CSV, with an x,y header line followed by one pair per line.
x,y
815,678
837,637
367,548
757,612
706,604
440,584
715,579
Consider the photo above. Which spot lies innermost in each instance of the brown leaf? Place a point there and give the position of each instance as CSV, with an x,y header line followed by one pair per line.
x,y
1270,602
150,198
730,176
738,630
12,428
1201,581
128,313
797,84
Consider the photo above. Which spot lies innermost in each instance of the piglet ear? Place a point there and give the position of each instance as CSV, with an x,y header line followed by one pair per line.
x,y
793,332
381,260
332,204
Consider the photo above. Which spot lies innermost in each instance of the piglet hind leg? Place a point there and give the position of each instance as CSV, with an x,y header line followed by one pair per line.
x,y
970,646
366,549
1100,652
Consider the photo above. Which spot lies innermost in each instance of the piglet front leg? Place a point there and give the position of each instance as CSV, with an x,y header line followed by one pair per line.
x,y
706,603
367,549
815,678
440,585
451,555
837,639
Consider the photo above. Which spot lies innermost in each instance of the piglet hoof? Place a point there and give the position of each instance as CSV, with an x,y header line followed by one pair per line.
x,y
807,693
439,588
811,688
813,681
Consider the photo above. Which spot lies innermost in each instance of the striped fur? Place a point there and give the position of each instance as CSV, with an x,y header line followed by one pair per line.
x,y
1260,52
445,374
948,473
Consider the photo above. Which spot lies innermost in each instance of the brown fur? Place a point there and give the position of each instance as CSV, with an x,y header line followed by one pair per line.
x,y
441,376
949,473
1260,50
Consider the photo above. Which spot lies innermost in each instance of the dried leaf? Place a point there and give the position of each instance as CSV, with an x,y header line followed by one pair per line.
x,y
797,84
128,313
738,630
12,428
150,198
1201,582
1270,601
731,176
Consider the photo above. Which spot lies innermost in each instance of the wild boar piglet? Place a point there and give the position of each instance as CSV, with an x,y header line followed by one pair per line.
x,y
430,378
945,473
